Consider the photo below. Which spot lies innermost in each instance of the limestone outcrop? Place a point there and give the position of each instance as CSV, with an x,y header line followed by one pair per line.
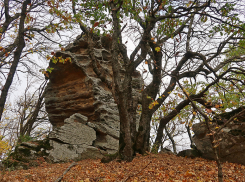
x,y
81,107
232,146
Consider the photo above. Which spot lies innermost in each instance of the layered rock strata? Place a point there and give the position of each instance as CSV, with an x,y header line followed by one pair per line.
x,y
76,92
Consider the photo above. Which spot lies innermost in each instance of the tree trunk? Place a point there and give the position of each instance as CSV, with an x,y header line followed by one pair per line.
x,y
143,134
158,140
17,54
123,90
171,139
190,137
126,114
125,140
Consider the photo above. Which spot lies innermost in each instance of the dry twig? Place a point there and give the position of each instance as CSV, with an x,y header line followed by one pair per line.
x,y
136,173
60,178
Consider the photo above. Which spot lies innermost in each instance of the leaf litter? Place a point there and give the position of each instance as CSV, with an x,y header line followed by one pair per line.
x,y
149,168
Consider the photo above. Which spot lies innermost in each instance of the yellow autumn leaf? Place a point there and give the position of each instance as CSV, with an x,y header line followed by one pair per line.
x,y
180,95
157,49
155,103
184,90
48,57
4,146
188,4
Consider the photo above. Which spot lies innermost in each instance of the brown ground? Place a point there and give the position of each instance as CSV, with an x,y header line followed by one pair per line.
x,y
160,167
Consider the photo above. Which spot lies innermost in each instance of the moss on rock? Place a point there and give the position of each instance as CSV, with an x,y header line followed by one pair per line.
x,y
26,154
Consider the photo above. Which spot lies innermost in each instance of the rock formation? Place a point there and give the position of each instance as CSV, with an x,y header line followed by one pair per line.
x,y
27,154
232,146
190,153
81,107
166,151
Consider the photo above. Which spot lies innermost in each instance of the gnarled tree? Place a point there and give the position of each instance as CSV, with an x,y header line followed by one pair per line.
x,y
172,41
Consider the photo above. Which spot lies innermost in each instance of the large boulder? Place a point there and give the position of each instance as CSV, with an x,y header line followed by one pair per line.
x,y
76,92
190,153
165,151
232,146
27,154
77,140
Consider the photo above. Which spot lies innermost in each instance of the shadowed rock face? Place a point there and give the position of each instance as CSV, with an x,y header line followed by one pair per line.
x,y
232,146
68,93
74,91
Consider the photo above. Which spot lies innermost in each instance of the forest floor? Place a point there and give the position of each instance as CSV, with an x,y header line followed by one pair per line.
x,y
153,167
